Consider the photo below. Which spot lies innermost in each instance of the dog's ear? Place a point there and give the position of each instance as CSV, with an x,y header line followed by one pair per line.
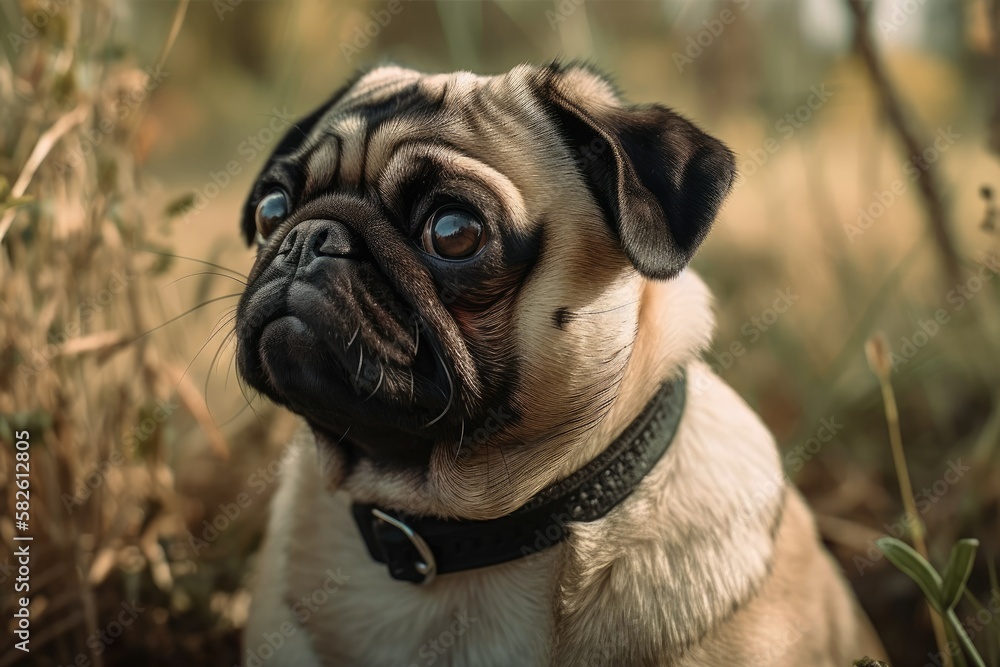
x,y
659,179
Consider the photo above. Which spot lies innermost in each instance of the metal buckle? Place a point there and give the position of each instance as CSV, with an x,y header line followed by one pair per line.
x,y
428,566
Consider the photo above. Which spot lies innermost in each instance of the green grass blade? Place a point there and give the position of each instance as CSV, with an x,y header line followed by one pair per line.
x,y
957,572
963,639
957,657
913,565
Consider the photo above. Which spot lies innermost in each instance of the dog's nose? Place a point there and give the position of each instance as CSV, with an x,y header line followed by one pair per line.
x,y
312,239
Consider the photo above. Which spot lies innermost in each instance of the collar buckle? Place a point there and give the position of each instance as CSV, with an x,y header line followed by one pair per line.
x,y
586,495
409,558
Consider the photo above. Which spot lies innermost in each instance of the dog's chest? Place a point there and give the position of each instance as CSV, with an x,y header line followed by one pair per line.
x,y
356,614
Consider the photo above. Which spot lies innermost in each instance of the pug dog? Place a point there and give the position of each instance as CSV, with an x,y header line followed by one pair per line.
x,y
472,290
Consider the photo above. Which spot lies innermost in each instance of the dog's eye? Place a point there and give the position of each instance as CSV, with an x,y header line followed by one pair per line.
x,y
271,211
453,233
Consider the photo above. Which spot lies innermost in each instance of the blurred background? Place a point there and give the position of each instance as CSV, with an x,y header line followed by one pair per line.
x,y
131,131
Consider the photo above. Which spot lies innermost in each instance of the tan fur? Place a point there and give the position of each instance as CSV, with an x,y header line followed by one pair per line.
x,y
582,269
713,560
653,583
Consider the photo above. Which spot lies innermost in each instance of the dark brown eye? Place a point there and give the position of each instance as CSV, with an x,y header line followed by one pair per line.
x,y
271,212
453,233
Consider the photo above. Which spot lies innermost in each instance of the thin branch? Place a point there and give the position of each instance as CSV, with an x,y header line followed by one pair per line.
x,y
937,216
195,402
994,21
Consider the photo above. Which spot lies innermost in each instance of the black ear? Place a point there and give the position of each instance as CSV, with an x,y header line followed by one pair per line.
x,y
659,179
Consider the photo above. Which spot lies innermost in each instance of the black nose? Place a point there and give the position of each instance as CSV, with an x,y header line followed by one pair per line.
x,y
312,239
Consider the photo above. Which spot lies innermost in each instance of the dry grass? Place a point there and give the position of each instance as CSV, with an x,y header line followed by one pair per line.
x,y
108,406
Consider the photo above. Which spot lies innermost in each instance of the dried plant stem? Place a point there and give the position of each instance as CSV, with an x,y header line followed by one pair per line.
x,y
994,22
87,598
916,526
198,407
937,216
38,154
175,29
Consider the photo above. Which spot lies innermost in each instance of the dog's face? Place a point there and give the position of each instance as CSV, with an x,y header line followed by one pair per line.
x,y
448,263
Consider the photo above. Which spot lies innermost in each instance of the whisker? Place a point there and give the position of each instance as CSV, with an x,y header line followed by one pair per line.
x,y
215,359
234,417
219,324
186,312
247,401
381,374
487,466
239,381
353,336
451,390
218,329
205,273
194,259
461,438
601,312
504,459
213,366
232,362
284,120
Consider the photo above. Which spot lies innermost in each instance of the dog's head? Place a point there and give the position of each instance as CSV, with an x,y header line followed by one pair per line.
x,y
448,263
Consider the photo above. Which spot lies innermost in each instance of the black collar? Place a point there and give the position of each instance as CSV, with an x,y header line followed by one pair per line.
x,y
415,549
